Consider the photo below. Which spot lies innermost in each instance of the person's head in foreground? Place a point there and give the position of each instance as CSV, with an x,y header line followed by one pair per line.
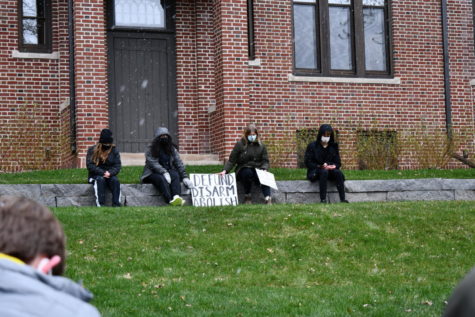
x,y
32,250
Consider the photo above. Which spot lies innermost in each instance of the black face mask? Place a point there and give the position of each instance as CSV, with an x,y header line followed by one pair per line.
x,y
164,141
106,147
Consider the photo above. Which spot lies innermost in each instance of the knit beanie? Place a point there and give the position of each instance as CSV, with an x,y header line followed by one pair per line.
x,y
106,136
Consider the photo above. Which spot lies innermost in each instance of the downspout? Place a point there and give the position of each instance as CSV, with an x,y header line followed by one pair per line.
x,y
448,96
72,81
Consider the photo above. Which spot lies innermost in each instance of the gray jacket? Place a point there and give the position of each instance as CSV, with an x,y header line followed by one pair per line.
x,y
152,165
25,292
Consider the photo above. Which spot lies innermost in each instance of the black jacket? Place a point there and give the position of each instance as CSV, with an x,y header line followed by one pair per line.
x,y
112,164
316,155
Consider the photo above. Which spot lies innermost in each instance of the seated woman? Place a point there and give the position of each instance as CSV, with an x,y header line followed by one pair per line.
x,y
164,168
322,159
248,154
103,164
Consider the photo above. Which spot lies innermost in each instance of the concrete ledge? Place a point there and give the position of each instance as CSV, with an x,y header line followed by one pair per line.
x,y
344,80
291,192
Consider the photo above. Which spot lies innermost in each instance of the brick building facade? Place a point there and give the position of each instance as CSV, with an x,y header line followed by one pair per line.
x,y
207,68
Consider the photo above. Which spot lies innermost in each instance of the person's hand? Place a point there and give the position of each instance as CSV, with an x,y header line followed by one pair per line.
x,y
107,174
331,167
188,183
167,177
222,173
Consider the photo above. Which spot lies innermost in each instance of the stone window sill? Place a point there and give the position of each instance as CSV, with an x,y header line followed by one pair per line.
x,y
310,79
472,82
18,54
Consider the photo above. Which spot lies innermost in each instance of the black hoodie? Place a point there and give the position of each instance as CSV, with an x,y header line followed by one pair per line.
x,y
316,155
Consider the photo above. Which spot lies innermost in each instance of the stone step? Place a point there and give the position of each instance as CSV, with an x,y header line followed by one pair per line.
x,y
138,159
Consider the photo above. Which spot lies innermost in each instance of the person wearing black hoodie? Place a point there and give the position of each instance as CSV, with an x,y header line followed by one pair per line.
x,y
322,159
103,164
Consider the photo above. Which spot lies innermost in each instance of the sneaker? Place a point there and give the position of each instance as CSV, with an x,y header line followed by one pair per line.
x,y
177,201
323,201
268,200
247,199
345,201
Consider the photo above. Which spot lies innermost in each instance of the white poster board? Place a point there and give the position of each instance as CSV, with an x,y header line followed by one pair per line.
x,y
266,178
214,190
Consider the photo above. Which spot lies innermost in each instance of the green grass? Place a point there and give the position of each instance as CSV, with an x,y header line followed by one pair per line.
x,y
131,174
361,259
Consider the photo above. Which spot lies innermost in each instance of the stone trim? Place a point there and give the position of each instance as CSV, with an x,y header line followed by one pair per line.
x,y
472,82
62,195
18,54
347,80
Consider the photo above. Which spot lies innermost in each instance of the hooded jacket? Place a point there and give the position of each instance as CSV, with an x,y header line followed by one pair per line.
x,y
112,164
316,155
25,292
152,164
248,154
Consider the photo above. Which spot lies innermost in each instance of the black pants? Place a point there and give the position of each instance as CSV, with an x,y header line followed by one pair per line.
x,y
335,175
100,184
246,176
161,184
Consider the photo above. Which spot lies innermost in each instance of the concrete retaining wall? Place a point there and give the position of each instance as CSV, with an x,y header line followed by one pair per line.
x,y
61,195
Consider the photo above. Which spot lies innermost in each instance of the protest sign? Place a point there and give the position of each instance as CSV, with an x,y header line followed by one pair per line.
x,y
266,178
214,190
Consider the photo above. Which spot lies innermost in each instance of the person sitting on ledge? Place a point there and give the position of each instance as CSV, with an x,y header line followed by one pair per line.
x,y
322,159
164,168
248,154
103,164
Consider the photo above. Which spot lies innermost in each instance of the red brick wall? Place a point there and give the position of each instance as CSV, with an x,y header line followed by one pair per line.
x,y
31,91
92,112
219,93
280,107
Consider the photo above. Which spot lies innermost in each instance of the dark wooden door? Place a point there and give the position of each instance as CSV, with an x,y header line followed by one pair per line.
x,y
142,84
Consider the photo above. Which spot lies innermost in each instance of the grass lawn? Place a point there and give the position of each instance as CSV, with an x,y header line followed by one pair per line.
x,y
131,174
360,259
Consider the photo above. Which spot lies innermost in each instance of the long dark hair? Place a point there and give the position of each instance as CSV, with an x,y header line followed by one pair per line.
x,y
158,146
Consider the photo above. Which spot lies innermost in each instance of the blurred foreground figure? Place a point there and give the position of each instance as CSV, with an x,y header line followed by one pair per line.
x,y
32,254
462,301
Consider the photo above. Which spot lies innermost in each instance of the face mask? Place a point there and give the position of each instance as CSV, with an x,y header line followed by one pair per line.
x,y
251,138
106,147
163,141
325,139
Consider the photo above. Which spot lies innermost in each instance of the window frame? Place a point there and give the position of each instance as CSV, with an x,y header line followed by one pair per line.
x,y
169,15
357,42
45,47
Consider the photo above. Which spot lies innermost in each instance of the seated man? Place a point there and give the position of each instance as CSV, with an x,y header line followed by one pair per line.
x,y
32,253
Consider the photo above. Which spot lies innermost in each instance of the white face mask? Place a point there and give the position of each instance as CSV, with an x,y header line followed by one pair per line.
x,y
251,138
325,139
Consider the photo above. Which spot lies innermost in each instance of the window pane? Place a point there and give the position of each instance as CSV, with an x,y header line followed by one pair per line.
x,y
29,8
375,39
139,13
340,39
339,2
379,3
305,37
30,31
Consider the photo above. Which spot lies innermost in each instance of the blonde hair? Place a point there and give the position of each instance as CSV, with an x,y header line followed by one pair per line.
x,y
100,155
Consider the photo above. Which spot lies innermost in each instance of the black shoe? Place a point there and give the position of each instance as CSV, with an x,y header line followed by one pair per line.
x,y
116,205
323,201
345,201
